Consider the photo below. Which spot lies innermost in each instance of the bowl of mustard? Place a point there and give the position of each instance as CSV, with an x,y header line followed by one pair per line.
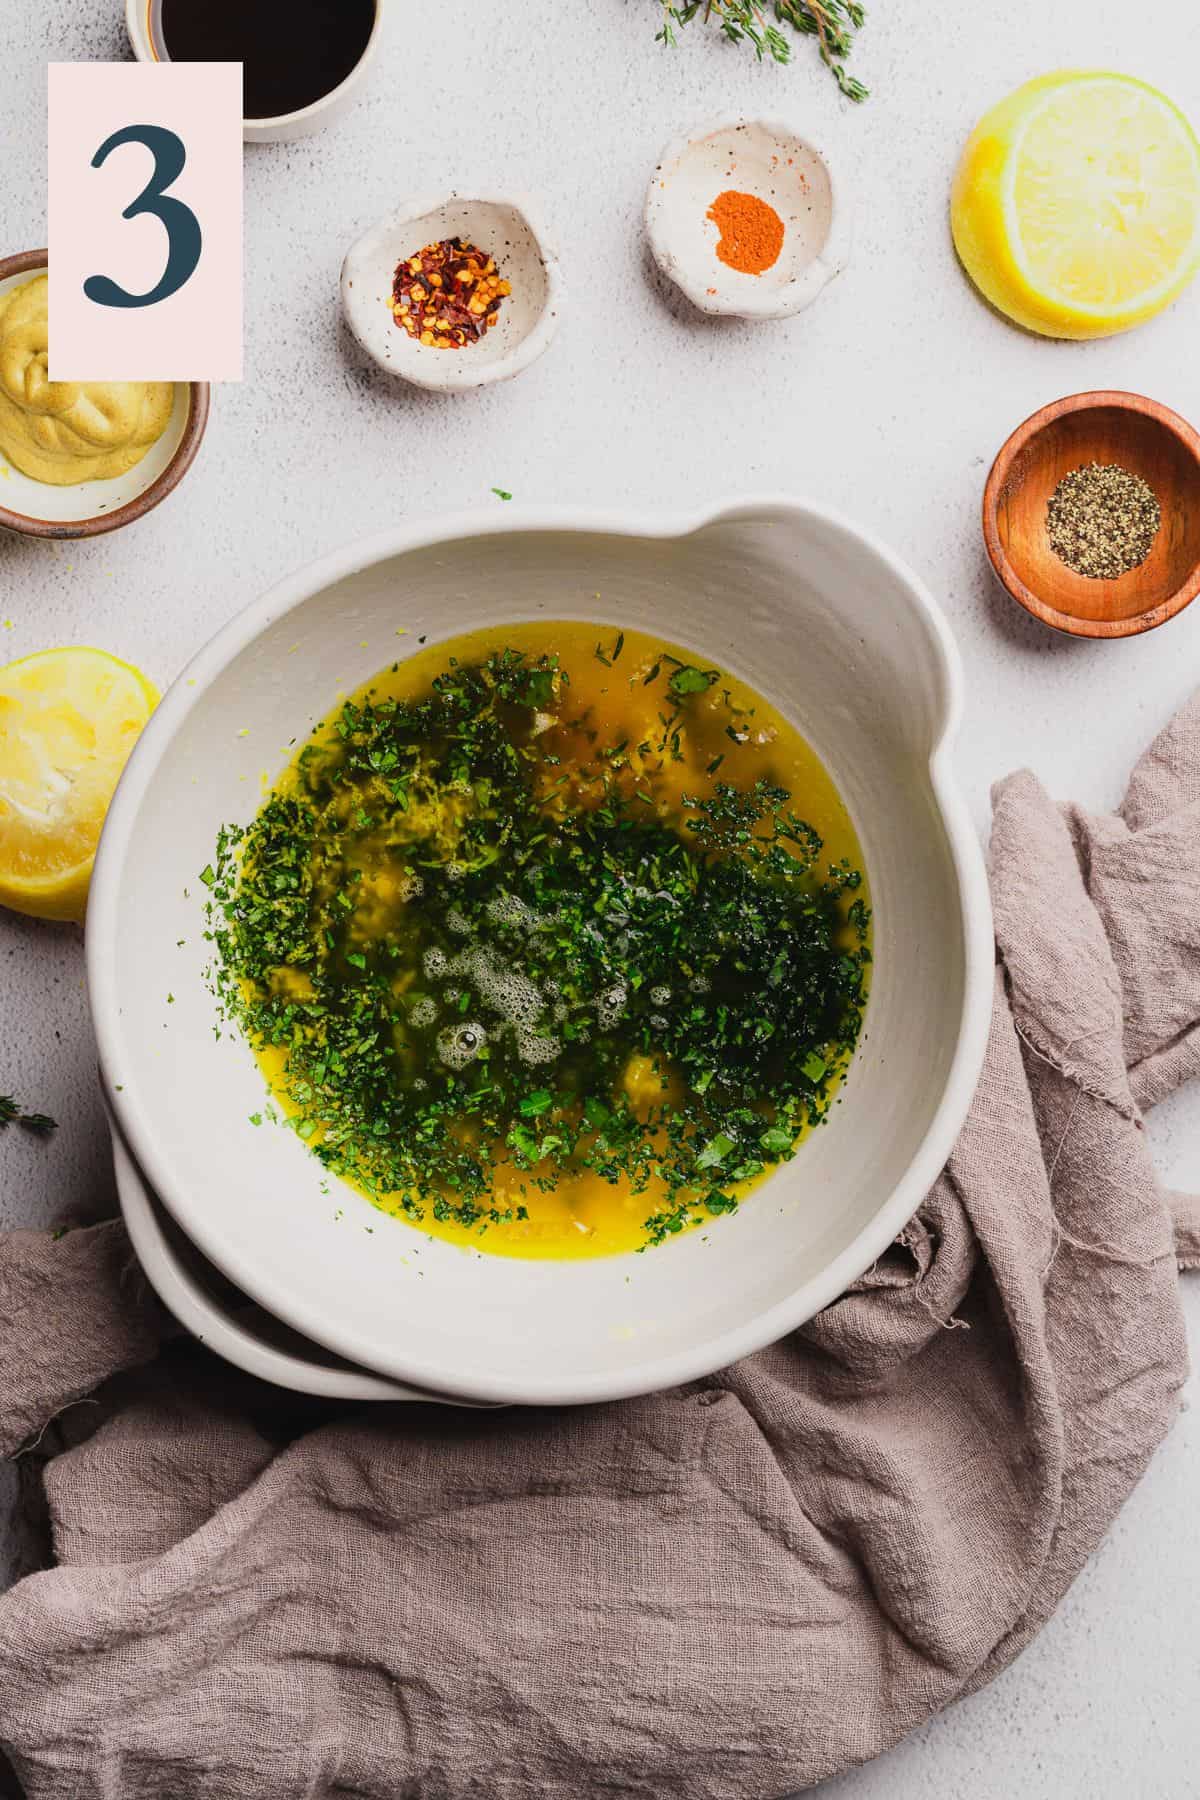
x,y
81,458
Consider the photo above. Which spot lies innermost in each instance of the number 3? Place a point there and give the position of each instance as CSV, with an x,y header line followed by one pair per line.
x,y
184,240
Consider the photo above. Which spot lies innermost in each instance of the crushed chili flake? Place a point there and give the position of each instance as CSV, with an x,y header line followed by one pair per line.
x,y
448,294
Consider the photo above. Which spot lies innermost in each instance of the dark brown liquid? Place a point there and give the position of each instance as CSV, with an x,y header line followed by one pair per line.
x,y
292,51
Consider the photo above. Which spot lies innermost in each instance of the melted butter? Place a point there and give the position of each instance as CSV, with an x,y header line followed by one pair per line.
x,y
63,432
586,1216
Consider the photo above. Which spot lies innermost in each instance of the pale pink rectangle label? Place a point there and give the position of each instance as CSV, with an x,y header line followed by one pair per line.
x,y
157,295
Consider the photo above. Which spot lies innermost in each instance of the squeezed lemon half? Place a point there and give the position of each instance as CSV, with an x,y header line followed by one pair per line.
x,y
1076,205
68,720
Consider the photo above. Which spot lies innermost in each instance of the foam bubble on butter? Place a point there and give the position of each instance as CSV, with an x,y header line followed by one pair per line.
x,y
423,1012
534,1048
517,1000
611,1004
510,909
459,1045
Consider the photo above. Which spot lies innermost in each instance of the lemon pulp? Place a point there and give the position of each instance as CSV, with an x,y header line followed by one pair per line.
x,y
1076,205
68,720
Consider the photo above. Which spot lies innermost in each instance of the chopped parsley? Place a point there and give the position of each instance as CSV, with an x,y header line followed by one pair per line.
x,y
477,948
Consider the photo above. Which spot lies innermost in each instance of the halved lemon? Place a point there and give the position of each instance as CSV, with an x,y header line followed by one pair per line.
x,y
68,720
1076,205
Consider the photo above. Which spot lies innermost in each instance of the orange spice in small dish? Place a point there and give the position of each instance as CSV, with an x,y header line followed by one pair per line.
x,y
751,232
448,295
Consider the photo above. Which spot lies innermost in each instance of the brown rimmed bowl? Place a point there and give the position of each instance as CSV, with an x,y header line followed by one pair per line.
x,y
89,508
1102,427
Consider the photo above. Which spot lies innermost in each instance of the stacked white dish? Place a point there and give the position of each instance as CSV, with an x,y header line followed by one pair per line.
x,y
804,608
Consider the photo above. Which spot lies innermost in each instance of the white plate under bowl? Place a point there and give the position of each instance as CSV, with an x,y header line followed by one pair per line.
x,y
89,508
795,601
227,1321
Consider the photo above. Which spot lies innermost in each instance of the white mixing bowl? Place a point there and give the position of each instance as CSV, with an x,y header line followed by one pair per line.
x,y
225,1321
799,604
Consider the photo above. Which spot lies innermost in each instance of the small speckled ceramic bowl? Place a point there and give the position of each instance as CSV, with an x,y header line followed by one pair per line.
x,y
527,319
773,163
88,508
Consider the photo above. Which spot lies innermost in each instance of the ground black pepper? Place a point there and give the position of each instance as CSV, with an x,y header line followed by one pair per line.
x,y
1102,521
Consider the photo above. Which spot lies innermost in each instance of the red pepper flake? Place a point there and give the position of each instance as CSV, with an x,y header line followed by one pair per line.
x,y
448,294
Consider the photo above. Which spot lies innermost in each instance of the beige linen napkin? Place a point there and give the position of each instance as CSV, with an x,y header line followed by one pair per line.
x,y
726,1592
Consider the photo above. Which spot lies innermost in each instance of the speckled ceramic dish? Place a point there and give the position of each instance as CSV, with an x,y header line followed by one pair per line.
x,y
774,163
805,608
528,317
88,508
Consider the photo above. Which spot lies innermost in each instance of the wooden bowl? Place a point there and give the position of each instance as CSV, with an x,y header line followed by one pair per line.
x,y
1104,427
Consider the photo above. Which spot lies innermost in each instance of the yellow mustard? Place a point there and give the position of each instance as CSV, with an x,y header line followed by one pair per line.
x,y
62,432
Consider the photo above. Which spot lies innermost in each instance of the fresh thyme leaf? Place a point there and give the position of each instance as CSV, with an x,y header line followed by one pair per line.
x,y
38,1124
501,494
832,22
688,680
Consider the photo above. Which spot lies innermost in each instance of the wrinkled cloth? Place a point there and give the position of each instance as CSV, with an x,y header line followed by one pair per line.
x,y
725,1592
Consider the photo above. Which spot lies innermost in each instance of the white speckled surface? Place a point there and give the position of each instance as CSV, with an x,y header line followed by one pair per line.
x,y
887,399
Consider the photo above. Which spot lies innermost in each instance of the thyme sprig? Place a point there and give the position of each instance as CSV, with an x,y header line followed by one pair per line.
x,y
11,1113
832,22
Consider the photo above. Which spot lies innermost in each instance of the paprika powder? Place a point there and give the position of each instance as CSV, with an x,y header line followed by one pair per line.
x,y
751,232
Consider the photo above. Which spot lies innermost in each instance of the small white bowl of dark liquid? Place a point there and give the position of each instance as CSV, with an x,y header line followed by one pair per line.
x,y
301,59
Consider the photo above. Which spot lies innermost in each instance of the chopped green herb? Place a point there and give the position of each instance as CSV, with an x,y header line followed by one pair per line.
x,y
556,947
687,680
